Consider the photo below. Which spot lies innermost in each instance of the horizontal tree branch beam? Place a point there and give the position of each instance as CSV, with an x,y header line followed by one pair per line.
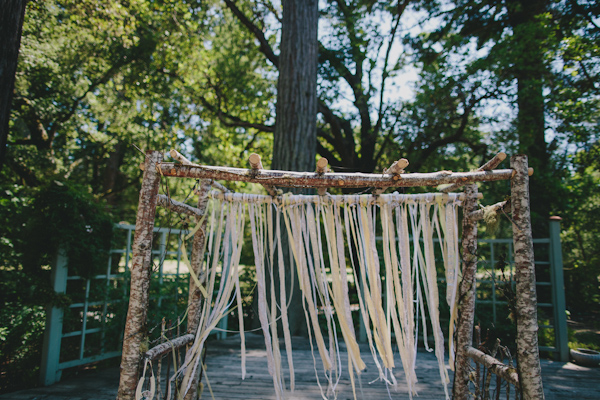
x,y
167,347
478,215
488,166
503,371
331,179
178,207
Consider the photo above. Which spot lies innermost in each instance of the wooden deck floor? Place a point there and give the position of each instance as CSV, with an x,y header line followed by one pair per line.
x,y
224,374
561,380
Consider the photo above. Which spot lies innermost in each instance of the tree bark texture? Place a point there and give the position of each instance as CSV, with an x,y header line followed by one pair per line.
x,y
11,26
528,357
466,299
141,268
494,366
178,207
167,347
479,214
295,137
113,177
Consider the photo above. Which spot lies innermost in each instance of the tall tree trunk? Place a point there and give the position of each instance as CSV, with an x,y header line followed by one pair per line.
x,y
112,174
11,26
295,138
529,70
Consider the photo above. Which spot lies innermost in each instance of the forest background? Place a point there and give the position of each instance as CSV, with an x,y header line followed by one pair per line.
x,y
445,84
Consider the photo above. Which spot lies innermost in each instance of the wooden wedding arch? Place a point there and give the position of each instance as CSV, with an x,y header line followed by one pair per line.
x,y
528,375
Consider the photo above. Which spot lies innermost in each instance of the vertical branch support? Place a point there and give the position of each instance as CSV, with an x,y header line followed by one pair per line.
x,y
466,299
135,326
530,373
195,296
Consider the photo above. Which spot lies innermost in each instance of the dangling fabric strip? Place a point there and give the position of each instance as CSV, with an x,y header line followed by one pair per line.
x,y
225,247
258,225
293,225
354,237
407,312
283,301
315,225
396,297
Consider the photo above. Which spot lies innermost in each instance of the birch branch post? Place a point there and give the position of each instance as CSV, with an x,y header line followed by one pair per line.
x,y
195,296
141,268
466,299
528,357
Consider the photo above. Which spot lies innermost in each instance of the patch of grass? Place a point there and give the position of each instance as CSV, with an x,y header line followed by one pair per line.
x,y
584,339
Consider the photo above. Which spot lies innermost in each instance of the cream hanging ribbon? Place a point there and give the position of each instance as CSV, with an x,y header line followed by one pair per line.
x,y
225,240
392,265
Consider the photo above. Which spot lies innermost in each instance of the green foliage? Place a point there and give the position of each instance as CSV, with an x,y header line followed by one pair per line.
x,y
584,340
21,335
55,215
579,237
65,215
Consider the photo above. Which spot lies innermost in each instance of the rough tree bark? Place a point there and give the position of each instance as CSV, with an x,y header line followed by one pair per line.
x,y
332,179
466,311
11,26
113,178
141,267
528,357
295,138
